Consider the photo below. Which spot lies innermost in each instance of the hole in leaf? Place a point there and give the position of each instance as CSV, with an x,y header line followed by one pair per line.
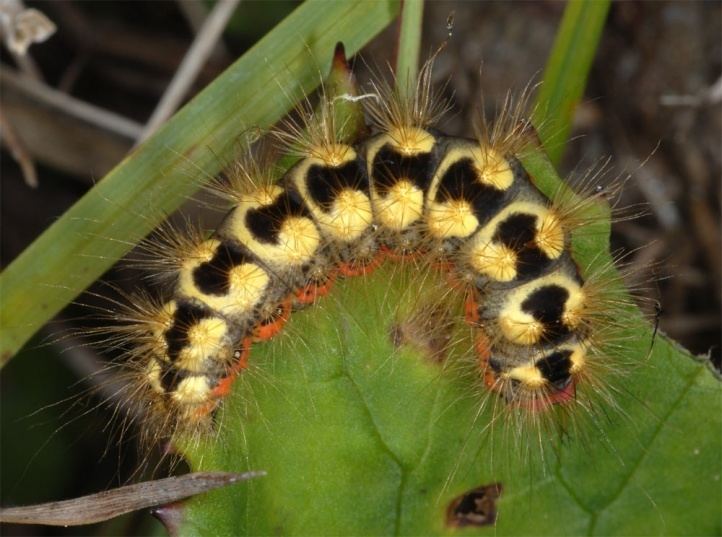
x,y
476,507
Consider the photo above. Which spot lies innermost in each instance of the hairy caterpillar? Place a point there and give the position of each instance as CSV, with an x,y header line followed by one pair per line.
x,y
407,193
422,330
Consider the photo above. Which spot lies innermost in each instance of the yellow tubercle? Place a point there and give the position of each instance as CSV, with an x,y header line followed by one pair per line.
x,y
574,311
494,261
493,168
162,324
350,216
410,140
550,234
451,219
528,375
521,328
248,283
264,195
152,375
401,206
578,358
205,338
333,154
204,251
192,390
298,241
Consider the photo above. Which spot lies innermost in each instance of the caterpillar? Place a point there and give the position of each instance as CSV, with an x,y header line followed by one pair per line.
x,y
403,193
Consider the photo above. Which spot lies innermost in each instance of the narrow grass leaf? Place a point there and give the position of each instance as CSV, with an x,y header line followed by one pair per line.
x,y
566,72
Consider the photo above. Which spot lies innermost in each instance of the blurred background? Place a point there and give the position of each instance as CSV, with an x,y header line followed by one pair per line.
x,y
75,104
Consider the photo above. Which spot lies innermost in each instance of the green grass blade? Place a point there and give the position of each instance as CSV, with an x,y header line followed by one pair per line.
x,y
155,178
566,72
407,62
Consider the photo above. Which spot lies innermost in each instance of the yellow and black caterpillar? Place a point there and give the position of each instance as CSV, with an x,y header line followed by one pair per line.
x,y
342,209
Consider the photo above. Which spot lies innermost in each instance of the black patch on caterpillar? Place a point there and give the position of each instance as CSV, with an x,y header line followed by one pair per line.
x,y
547,305
186,315
555,368
171,377
518,232
265,222
461,182
212,277
530,263
390,166
324,183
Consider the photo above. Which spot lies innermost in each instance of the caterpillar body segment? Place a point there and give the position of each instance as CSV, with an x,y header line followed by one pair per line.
x,y
407,190
544,310
335,188
228,279
337,193
470,184
176,355
399,166
535,378
276,226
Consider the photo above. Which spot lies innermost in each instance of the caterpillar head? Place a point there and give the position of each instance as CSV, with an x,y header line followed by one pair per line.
x,y
535,379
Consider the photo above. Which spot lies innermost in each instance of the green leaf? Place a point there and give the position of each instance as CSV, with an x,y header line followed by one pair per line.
x,y
154,179
566,72
407,60
362,436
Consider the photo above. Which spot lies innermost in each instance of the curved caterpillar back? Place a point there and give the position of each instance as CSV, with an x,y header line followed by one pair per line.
x,y
341,210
